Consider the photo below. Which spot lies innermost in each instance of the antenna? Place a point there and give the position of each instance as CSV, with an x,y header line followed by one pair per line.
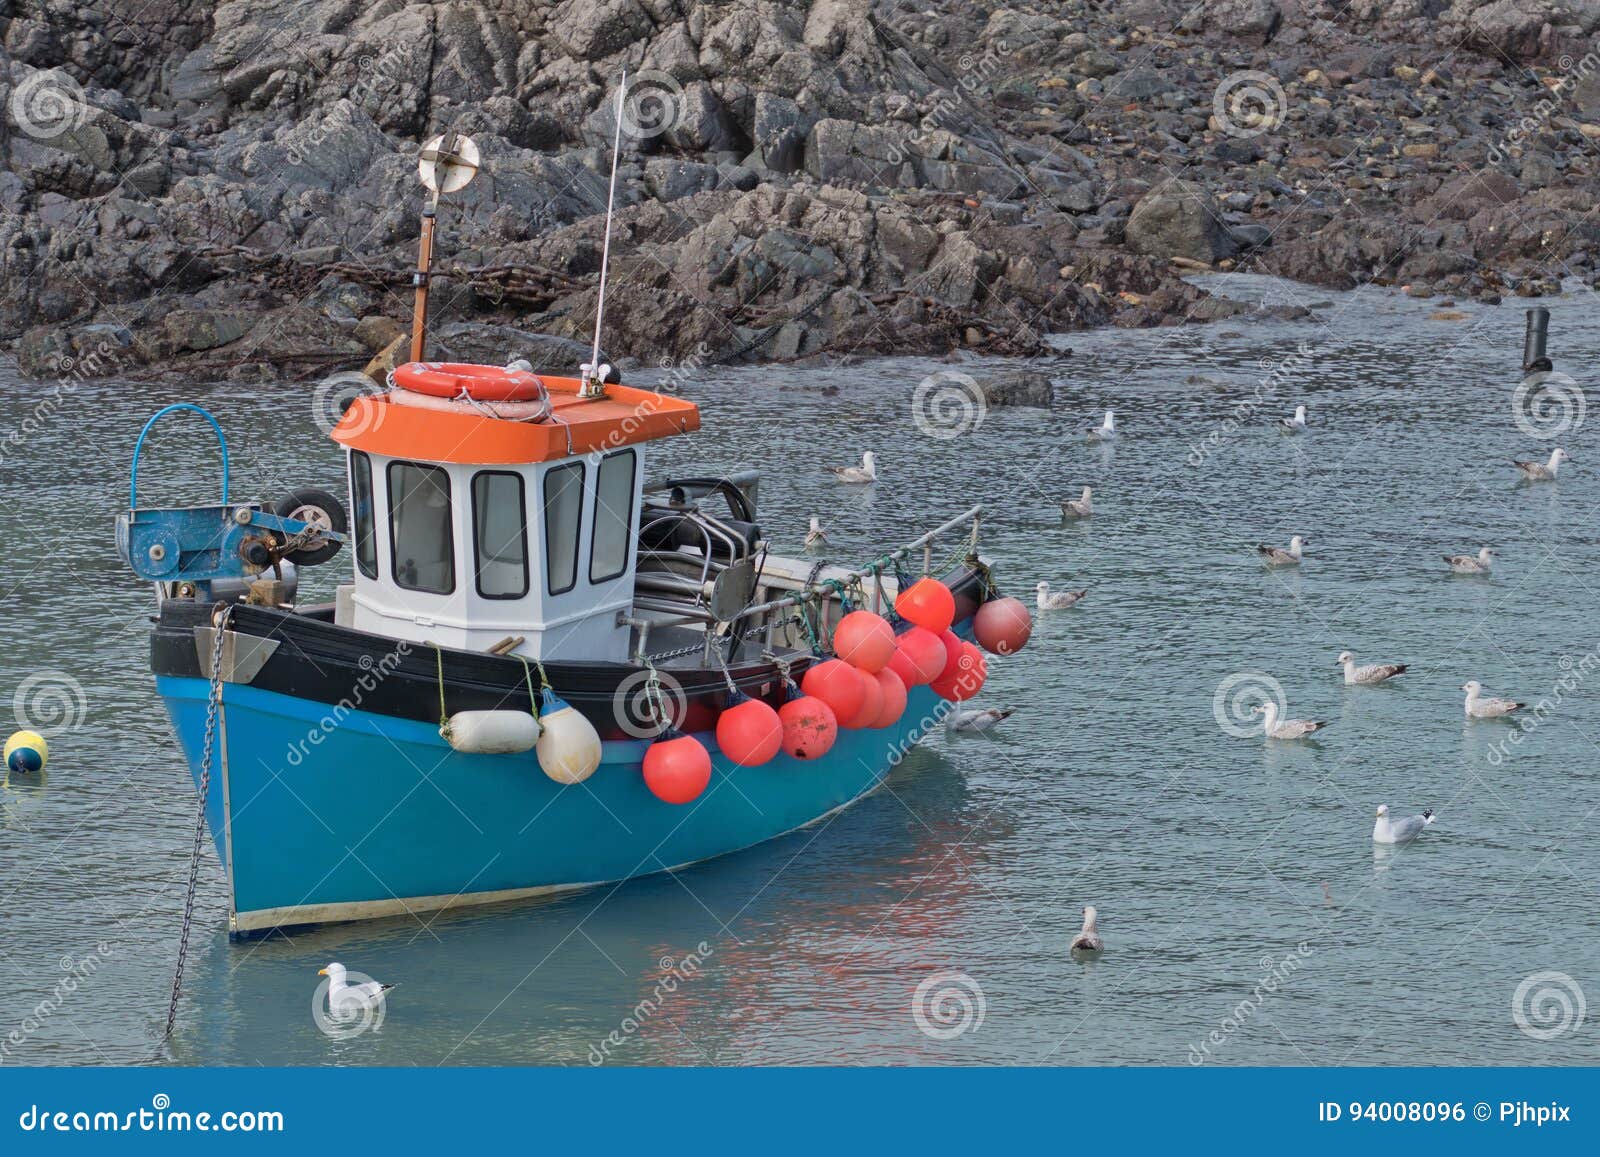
x,y
446,164
594,374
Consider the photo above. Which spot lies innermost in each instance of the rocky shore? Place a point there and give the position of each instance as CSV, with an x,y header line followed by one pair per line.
x,y
230,188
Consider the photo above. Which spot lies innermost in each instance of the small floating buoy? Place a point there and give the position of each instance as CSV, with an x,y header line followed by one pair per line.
x,y
927,603
920,658
837,684
1002,626
866,714
26,751
809,726
864,640
569,749
893,689
749,732
677,767
493,732
964,678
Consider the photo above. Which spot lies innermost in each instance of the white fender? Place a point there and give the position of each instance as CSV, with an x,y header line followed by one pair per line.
x,y
493,732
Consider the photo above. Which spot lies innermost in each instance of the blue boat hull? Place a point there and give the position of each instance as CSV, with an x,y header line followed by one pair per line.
x,y
378,816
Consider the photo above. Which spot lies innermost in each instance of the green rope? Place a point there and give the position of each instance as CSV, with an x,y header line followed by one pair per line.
x,y
533,698
444,717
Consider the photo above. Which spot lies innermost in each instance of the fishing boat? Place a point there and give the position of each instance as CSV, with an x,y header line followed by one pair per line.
x,y
545,670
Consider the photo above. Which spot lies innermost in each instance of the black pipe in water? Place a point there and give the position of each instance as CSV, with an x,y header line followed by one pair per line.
x,y
1533,342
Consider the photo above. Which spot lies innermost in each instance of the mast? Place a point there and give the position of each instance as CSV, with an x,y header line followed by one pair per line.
x,y
446,164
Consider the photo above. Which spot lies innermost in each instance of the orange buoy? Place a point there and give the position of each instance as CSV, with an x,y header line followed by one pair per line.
x,y
966,678
837,684
927,603
809,726
462,379
1002,626
871,702
864,640
894,699
924,654
952,652
749,732
677,767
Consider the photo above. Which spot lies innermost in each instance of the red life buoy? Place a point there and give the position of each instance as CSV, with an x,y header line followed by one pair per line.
x,y
480,383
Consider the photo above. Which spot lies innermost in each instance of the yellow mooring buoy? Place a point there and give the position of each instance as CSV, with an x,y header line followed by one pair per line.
x,y
27,751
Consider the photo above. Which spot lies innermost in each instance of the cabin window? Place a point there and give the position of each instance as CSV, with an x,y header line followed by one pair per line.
x,y
420,528
613,517
500,534
563,519
361,497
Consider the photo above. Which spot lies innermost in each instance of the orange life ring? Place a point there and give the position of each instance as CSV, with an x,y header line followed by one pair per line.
x,y
480,383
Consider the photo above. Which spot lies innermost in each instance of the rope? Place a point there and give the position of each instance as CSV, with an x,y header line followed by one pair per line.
x,y
444,717
533,699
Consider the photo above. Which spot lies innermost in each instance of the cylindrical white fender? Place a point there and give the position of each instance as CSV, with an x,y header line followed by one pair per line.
x,y
569,749
493,732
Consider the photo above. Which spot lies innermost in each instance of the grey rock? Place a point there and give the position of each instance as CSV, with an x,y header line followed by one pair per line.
x,y
1179,219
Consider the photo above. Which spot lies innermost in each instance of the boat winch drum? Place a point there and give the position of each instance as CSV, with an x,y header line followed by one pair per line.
x,y
462,379
493,732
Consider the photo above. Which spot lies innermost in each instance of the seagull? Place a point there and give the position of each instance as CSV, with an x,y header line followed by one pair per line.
x,y
978,719
1058,602
1546,471
1106,431
1480,706
1287,728
1371,673
866,472
1089,939
1078,507
1467,564
345,997
1295,424
1387,831
815,536
1277,556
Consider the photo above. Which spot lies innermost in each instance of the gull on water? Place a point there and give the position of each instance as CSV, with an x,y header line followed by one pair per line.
x,y
1483,563
1078,507
866,472
816,536
1284,728
1543,471
1089,939
1481,706
1371,673
1106,431
1277,556
977,719
1295,424
1057,602
1388,831
346,997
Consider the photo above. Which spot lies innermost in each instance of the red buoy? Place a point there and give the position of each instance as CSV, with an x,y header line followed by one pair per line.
x,y
894,699
927,603
952,652
1002,626
965,678
923,653
809,727
871,702
749,733
837,684
864,640
677,768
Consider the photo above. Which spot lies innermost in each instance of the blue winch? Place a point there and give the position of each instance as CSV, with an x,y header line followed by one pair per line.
x,y
228,542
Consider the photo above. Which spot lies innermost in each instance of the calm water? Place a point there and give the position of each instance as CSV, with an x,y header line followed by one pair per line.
x,y
1211,858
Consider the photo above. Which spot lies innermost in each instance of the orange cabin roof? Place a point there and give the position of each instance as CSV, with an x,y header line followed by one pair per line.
x,y
623,417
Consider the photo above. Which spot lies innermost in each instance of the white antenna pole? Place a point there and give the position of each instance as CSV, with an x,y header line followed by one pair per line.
x,y
593,381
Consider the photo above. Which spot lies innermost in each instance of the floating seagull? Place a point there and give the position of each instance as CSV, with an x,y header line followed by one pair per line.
x,y
1106,431
1371,673
815,536
1078,507
1480,706
1543,471
1089,939
1295,424
1387,831
978,719
866,472
1277,556
1287,728
346,997
1466,564
1058,602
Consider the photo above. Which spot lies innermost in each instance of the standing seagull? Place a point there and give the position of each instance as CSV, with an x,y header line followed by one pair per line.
x,y
1371,673
1078,507
1387,831
1480,707
866,472
1106,431
1543,471
978,719
1295,424
1466,564
346,997
815,536
1058,602
1089,939
1277,556
1287,728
